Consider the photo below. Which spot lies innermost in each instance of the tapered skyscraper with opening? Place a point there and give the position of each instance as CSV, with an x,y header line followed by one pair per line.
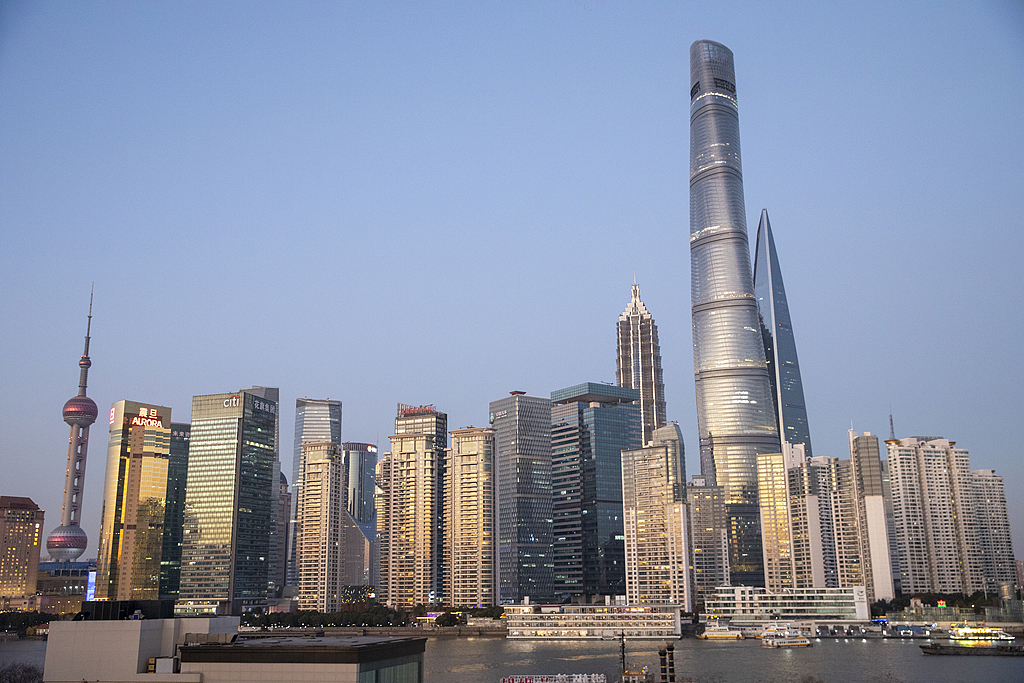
x,y
735,415
779,343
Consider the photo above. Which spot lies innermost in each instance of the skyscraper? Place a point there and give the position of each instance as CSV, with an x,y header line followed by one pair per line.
x,y
779,343
316,420
872,524
67,542
229,503
470,557
639,362
410,509
735,414
933,509
709,537
656,524
360,520
320,548
21,537
134,495
995,545
522,427
174,511
591,424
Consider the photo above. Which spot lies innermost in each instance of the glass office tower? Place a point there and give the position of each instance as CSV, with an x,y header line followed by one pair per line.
x,y
174,511
230,503
735,414
779,343
591,424
639,362
134,492
522,427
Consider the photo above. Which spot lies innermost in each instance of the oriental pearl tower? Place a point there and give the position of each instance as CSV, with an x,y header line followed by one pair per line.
x,y
67,542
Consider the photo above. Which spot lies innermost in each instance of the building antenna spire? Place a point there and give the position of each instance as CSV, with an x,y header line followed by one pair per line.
x,y
85,363
892,431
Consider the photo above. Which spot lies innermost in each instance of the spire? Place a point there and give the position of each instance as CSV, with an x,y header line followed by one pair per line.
x,y
85,363
892,430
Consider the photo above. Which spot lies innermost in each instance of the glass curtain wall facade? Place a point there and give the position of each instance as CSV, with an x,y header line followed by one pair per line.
x,y
522,427
639,363
134,494
174,511
779,343
591,424
735,413
316,421
229,501
360,520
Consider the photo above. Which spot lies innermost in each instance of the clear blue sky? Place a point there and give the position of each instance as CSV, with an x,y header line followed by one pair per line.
x,y
442,202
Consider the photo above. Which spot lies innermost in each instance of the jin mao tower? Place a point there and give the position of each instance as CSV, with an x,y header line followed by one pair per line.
x,y
639,362
67,542
735,416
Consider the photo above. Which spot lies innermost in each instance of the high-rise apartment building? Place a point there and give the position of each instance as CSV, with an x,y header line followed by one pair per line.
x,y
872,522
995,545
316,421
67,542
639,362
656,526
735,412
797,519
709,537
280,540
933,510
410,509
591,424
522,429
230,497
134,496
174,511
778,340
320,546
470,539
21,538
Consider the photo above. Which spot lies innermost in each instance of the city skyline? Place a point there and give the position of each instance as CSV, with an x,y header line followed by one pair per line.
x,y
96,152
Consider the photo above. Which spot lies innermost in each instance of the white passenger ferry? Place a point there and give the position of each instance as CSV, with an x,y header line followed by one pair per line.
x,y
783,636
964,631
714,630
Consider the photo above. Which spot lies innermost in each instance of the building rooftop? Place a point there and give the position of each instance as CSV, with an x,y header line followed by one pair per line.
x,y
595,392
299,650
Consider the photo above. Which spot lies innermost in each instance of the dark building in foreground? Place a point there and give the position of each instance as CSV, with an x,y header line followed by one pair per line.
x,y
591,424
522,428
174,511
735,412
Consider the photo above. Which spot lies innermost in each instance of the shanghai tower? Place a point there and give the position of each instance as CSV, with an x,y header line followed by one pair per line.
x,y
735,414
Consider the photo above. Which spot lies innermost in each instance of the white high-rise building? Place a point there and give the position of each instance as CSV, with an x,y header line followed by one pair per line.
x,y
933,512
470,575
709,537
872,531
994,541
655,521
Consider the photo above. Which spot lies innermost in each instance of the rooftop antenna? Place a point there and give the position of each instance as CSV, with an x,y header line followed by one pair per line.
x,y
892,431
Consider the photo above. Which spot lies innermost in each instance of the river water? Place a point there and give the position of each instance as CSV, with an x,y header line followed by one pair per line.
x,y
487,660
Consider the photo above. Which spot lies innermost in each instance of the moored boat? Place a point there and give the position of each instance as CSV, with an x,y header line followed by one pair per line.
x,y
964,631
974,650
714,630
783,636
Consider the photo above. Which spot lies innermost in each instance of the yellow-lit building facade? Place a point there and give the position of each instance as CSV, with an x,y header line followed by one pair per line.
x,y
134,496
469,519
21,528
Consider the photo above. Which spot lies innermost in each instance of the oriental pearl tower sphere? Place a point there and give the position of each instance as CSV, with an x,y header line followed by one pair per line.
x,y
67,542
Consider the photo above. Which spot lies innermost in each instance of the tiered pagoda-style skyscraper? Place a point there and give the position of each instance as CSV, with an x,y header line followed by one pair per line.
x,y
67,542
779,343
639,362
735,414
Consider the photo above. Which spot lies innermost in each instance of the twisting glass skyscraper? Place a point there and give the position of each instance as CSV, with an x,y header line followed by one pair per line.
x,y
779,344
735,416
639,362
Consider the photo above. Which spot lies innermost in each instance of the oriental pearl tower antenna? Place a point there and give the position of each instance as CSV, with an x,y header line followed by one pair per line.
x,y
67,542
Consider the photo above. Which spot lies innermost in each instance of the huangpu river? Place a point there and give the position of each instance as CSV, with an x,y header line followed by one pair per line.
x,y
487,660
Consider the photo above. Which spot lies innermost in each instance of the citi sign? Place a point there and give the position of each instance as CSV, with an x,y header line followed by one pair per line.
x,y
231,401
